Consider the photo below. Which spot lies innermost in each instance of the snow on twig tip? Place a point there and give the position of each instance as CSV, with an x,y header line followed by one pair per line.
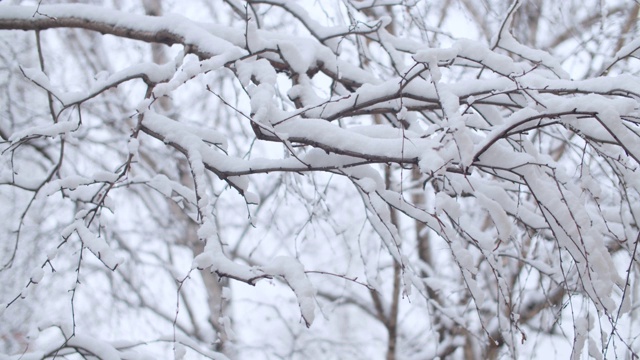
x,y
293,273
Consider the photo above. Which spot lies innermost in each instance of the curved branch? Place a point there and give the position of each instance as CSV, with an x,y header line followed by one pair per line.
x,y
153,29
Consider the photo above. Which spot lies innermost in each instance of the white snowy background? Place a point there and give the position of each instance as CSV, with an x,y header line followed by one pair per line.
x,y
319,179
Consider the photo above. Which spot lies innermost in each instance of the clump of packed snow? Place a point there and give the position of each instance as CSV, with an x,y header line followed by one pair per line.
x,y
292,271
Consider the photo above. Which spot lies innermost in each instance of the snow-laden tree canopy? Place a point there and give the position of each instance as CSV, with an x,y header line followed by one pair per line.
x,y
387,187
